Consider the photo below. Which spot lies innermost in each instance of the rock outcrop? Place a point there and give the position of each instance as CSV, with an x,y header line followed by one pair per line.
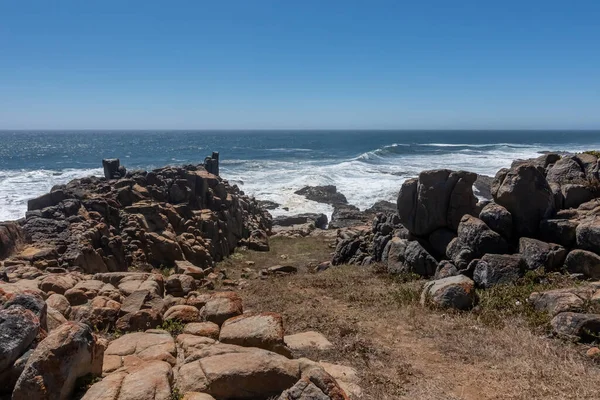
x,y
142,220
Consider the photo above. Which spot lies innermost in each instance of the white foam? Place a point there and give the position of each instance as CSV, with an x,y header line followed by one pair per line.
x,y
18,186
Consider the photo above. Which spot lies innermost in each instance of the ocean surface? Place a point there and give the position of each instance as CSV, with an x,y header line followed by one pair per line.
x,y
366,166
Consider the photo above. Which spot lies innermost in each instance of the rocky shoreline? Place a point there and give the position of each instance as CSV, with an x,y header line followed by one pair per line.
x,y
111,281
544,216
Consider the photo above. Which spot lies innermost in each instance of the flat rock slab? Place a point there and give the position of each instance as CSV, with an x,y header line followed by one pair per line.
x,y
307,341
206,329
153,345
263,330
151,380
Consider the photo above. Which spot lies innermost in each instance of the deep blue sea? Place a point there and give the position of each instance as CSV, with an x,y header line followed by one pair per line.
x,y
366,166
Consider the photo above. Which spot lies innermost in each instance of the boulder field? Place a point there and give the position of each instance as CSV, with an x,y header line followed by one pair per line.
x,y
106,293
544,215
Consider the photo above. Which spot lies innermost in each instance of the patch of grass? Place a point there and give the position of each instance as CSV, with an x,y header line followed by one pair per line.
x,y
173,326
408,293
593,152
176,394
503,302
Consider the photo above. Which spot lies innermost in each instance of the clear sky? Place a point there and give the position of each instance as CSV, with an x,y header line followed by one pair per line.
x,y
299,64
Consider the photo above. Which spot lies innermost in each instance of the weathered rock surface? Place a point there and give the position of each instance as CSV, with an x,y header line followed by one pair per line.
x,y
144,219
437,199
584,262
577,326
453,292
474,240
69,352
538,254
308,340
525,193
263,330
322,194
222,306
497,269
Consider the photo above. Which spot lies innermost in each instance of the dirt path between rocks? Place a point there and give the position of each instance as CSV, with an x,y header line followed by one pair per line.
x,y
401,350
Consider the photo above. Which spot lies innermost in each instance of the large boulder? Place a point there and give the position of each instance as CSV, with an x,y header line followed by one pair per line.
x,y
474,240
222,306
525,193
588,235
69,352
497,269
263,330
151,380
437,199
498,218
558,230
18,329
577,326
538,254
239,374
453,292
140,346
583,262
409,256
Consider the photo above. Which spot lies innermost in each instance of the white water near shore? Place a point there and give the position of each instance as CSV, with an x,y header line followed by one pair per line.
x,y
364,179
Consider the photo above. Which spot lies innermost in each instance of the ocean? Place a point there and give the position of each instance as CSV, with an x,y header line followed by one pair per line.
x,y
366,166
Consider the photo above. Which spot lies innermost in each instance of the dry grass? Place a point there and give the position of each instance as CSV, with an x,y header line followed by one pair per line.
x,y
404,351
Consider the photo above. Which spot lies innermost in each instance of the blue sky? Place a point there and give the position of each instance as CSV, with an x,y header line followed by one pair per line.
x,y
299,64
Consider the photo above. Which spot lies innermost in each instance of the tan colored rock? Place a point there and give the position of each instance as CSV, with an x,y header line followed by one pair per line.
x,y
58,283
59,303
197,396
264,330
222,306
54,318
245,375
187,268
206,329
139,321
179,285
151,380
182,313
189,343
154,345
346,377
69,352
307,341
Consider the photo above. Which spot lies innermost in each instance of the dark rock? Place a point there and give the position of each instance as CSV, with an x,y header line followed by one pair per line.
x,y
322,194
539,254
483,186
588,235
497,269
445,269
525,193
382,206
345,250
576,326
440,239
404,256
268,204
11,238
560,231
437,199
46,200
585,262
498,219
18,329
111,168
31,302
320,220
474,240
346,215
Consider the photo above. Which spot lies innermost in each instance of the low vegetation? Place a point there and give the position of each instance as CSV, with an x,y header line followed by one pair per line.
x,y
402,350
